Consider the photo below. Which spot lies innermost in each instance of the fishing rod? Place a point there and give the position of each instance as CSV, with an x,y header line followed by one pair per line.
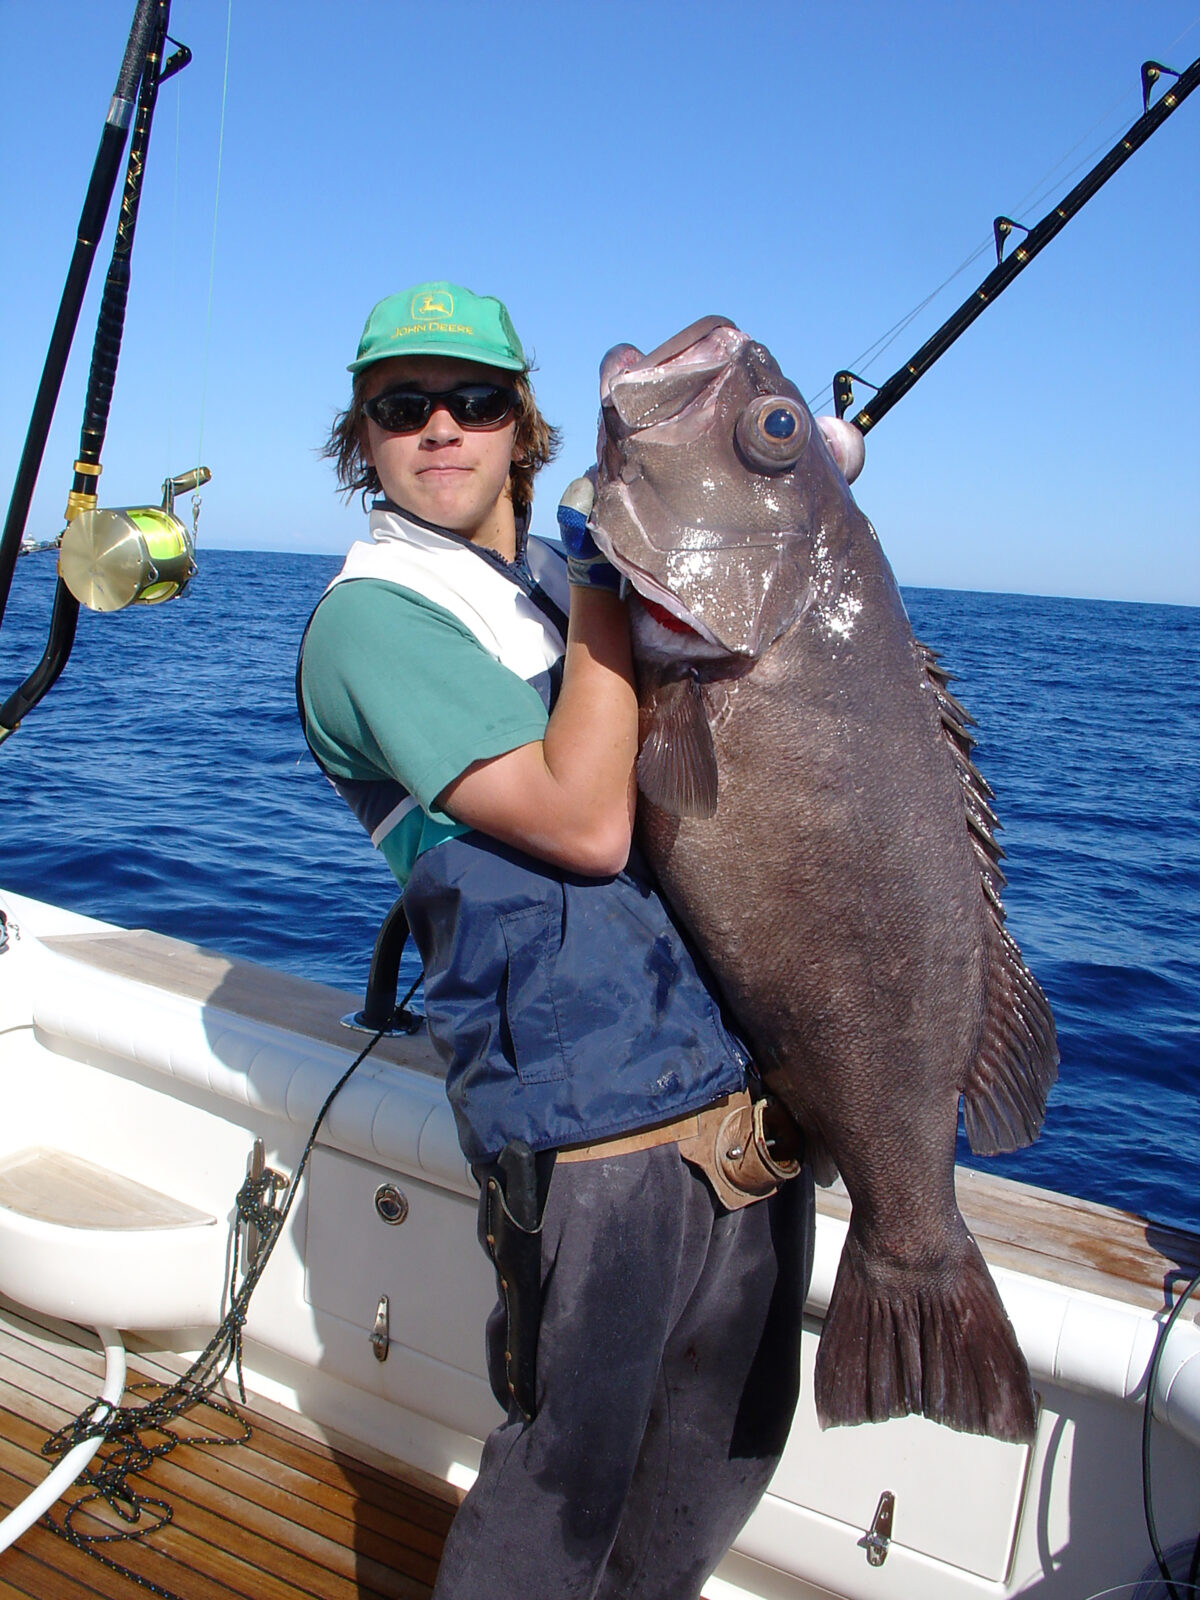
x,y
137,553
1036,239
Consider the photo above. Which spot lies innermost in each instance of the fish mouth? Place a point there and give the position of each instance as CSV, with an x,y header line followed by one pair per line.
x,y
674,397
658,599
664,618
694,346
682,342
665,608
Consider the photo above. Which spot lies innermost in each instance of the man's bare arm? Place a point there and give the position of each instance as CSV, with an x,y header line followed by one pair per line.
x,y
568,799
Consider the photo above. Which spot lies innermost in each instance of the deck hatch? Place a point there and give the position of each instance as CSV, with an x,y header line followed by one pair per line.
x,y
846,1474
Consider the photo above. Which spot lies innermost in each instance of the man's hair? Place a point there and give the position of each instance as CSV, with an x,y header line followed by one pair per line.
x,y
535,445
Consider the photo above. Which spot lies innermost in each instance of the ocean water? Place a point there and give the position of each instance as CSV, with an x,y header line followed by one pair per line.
x,y
164,783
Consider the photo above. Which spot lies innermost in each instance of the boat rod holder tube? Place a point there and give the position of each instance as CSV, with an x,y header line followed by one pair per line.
x,y
380,1013
106,351
39,1500
1036,239
91,226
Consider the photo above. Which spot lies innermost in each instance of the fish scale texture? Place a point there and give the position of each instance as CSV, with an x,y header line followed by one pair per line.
x,y
844,883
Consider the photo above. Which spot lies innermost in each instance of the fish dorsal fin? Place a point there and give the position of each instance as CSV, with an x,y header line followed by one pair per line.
x,y
677,766
1016,1057
1016,1061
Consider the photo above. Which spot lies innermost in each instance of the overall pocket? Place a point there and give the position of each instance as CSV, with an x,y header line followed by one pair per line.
x,y
528,1014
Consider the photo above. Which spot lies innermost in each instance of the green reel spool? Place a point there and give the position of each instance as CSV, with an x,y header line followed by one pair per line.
x,y
130,555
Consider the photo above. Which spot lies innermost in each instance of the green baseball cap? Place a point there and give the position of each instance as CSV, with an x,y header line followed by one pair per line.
x,y
441,319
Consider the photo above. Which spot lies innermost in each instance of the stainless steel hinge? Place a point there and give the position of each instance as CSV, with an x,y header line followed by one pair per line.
x,y
878,1537
380,1334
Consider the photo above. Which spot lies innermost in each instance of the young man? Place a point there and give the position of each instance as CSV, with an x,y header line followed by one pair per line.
x,y
477,711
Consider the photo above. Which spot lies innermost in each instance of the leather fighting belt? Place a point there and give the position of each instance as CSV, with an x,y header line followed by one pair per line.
x,y
745,1148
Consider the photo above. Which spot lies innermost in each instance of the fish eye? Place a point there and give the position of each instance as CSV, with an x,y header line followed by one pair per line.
x,y
771,433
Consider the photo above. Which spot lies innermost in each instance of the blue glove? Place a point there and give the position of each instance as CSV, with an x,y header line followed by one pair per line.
x,y
587,566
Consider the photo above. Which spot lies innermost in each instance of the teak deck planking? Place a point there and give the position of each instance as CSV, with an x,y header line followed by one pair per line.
x,y
280,1517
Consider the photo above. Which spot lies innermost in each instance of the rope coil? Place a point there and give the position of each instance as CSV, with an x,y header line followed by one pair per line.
x,y
261,1209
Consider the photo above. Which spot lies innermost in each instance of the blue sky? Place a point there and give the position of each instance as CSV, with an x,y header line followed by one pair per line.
x,y
614,171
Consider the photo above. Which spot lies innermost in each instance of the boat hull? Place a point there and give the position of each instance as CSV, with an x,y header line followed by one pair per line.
x,y
167,1063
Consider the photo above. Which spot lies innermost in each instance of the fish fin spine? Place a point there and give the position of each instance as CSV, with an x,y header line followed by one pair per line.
x,y
1015,1062
1016,1058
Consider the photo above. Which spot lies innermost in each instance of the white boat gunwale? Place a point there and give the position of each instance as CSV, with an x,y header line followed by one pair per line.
x,y
1086,1286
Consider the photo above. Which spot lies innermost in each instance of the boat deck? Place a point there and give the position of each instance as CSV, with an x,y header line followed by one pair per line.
x,y
297,1512
281,1516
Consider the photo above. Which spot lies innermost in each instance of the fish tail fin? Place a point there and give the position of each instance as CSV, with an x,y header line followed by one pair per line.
x,y
942,1346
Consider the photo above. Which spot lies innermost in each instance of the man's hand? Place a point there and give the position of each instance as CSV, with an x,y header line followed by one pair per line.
x,y
587,565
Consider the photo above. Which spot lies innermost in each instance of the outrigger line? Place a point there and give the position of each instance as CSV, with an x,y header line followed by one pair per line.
x,y
1036,238
142,71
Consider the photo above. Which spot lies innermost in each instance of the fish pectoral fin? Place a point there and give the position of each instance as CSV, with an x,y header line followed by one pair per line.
x,y
819,1157
677,766
1016,1063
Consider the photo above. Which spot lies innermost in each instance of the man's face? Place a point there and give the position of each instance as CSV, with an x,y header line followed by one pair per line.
x,y
445,473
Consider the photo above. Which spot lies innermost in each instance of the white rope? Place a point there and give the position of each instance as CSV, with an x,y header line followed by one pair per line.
x,y
59,1480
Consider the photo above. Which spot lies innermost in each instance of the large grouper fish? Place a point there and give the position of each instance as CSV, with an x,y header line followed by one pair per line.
x,y
809,803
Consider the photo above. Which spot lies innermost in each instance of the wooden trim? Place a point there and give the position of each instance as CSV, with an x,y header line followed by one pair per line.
x,y
1076,1243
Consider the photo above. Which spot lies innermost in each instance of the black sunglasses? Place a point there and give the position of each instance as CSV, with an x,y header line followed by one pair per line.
x,y
472,405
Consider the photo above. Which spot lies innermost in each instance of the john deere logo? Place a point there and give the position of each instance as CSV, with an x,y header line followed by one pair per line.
x,y
432,306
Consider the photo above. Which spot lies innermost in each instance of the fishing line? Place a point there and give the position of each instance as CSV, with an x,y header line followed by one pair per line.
x,y
874,351
1026,199
1183,35
173,286
1033,197
212,259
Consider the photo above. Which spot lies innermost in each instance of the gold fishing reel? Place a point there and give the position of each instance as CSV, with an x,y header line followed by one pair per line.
x,y
130,555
